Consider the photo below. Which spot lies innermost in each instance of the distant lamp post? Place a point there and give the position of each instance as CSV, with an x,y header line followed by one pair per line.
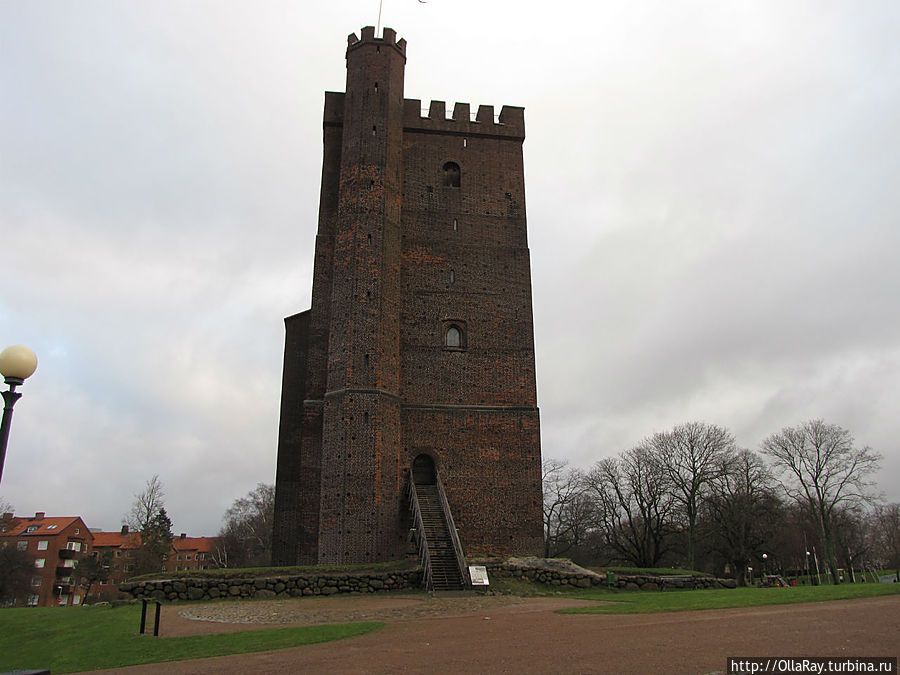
x,y
17,363
765,557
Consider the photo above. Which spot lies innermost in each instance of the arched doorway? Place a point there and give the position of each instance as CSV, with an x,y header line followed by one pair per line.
x,y
423,470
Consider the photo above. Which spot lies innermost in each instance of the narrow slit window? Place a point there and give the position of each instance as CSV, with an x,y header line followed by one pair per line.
x,y
465,142
452,277
455,225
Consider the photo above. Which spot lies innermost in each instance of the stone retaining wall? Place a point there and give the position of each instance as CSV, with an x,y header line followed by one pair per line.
x,y
565,575
186,588
553,572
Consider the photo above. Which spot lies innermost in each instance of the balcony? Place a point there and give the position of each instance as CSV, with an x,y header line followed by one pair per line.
x,y
66,554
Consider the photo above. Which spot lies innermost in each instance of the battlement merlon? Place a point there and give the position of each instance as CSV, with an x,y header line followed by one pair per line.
x,y
510,123
368,36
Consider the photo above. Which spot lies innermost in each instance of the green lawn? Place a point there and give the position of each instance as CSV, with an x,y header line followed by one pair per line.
x,y
73,639
639,602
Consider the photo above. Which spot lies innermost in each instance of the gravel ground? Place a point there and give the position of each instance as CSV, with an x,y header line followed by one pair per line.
x,y
516,635
342,609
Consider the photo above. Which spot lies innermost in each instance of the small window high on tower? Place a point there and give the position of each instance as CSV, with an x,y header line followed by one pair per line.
x,y
451,174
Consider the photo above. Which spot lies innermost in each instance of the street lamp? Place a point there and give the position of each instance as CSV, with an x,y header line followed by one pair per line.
x,y
17,363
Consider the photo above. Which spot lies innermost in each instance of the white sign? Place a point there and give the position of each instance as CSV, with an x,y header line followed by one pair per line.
x,y
478,575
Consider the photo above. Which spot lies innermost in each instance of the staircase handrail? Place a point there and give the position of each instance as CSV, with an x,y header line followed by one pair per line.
x,y
421,538
454,535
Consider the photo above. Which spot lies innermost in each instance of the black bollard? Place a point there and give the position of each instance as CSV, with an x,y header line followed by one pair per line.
x,y
156,623
143,616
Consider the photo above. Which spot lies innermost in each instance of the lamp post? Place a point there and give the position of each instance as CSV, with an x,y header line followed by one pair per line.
x,y
17,363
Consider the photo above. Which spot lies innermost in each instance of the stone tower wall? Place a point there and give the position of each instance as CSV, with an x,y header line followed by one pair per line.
x,y
402,254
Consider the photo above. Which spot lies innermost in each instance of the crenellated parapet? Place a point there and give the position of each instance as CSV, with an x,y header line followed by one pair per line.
x,y
510,122
389,38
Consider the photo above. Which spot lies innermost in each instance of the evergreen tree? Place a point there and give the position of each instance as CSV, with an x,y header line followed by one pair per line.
x,y
156,540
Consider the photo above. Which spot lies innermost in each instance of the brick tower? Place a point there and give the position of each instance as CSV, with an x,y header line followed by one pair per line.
x,y
418,349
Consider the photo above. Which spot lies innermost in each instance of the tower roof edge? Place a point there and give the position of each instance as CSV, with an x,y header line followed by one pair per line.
x,y
389,37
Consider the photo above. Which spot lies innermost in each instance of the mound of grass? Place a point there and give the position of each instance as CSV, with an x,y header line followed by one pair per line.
x,y
252,572
640,602
648,571
74,639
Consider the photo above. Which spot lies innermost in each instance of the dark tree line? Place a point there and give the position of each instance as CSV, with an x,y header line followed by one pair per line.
x,y
692,498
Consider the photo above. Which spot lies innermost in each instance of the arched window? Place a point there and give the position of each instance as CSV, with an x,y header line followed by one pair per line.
x,y
454,334
451,174
454,337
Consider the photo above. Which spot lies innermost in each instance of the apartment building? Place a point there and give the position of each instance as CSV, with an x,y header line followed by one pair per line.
x,y
54,545
191,553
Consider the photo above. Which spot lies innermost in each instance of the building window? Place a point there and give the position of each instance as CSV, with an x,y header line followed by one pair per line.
x,y
42,545
73,546
39,562
51,527
31,528
187,556
454,335
451,174
33,600
68,563
118,554
22,545
35,581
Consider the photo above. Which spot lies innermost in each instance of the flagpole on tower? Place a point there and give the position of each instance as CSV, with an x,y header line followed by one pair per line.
x,y
378,28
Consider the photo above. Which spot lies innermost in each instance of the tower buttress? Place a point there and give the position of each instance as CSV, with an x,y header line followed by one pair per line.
x,y
360,468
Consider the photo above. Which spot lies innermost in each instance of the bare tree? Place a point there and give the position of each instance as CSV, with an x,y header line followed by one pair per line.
x,y
245,539
147,505
743,509
5,506
634,504
565,520
887,535
692,455
92,570
824,471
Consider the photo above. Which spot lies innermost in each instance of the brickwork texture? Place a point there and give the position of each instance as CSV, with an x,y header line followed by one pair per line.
x,y
419,339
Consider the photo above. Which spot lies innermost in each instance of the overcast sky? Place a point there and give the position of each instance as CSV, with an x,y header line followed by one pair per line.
x,y
712,195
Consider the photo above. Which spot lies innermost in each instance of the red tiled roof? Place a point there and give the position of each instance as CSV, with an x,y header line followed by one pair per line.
x,y
117,539
204,544
46,526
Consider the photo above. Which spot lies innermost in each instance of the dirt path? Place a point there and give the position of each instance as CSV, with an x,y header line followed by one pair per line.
x,y
526,636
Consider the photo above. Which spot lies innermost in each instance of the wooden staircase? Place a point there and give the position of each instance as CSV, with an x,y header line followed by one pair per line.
x,y
445,573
